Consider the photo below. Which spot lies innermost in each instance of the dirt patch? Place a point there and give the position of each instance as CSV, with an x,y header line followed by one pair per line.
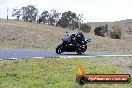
x,y
127,36
127,69
124,63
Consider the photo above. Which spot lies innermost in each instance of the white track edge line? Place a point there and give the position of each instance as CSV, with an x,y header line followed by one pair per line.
x,y
12,58
37,57
94,56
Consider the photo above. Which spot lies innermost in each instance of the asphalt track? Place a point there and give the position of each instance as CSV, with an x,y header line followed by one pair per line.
x,y
23,53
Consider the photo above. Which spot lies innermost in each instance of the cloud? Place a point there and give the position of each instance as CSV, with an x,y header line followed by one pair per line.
x,y
94,10
2,2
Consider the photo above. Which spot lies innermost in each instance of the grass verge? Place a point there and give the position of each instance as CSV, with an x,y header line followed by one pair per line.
x,y
54,72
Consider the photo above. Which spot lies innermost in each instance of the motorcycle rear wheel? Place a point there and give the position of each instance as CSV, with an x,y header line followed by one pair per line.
x,y
59,49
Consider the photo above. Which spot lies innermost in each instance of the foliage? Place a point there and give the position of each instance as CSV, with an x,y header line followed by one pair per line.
x,y
115,33
44,16
69,20
85,27
53,16
29,13
129,29
101,31
50,17
16,13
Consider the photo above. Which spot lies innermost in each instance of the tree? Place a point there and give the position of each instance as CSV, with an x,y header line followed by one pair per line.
x,y
65,19
73,21
16,13
69,19
79,19
129,29
115,33
29,13
101,31
44,16
24,13
54,16
85,27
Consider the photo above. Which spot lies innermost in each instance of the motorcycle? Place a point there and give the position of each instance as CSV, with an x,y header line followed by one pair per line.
x,y
68,45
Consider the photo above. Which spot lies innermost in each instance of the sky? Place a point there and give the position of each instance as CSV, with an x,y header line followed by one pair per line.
x,y
92,10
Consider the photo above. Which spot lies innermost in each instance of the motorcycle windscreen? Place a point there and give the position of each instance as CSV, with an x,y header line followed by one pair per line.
x,y
66,38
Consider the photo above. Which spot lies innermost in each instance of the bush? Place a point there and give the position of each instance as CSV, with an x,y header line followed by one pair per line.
x,y
115,33
129,29
85,27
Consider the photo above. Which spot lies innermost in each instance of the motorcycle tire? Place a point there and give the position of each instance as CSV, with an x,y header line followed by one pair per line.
x,y
59,49
81,51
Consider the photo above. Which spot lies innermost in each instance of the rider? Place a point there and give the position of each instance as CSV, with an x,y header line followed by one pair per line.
x,y
80,37
75,38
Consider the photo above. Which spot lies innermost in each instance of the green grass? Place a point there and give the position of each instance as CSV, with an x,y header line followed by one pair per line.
x,y
54,72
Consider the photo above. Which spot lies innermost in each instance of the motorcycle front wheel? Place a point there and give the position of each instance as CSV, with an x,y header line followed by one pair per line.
x,y
81,50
